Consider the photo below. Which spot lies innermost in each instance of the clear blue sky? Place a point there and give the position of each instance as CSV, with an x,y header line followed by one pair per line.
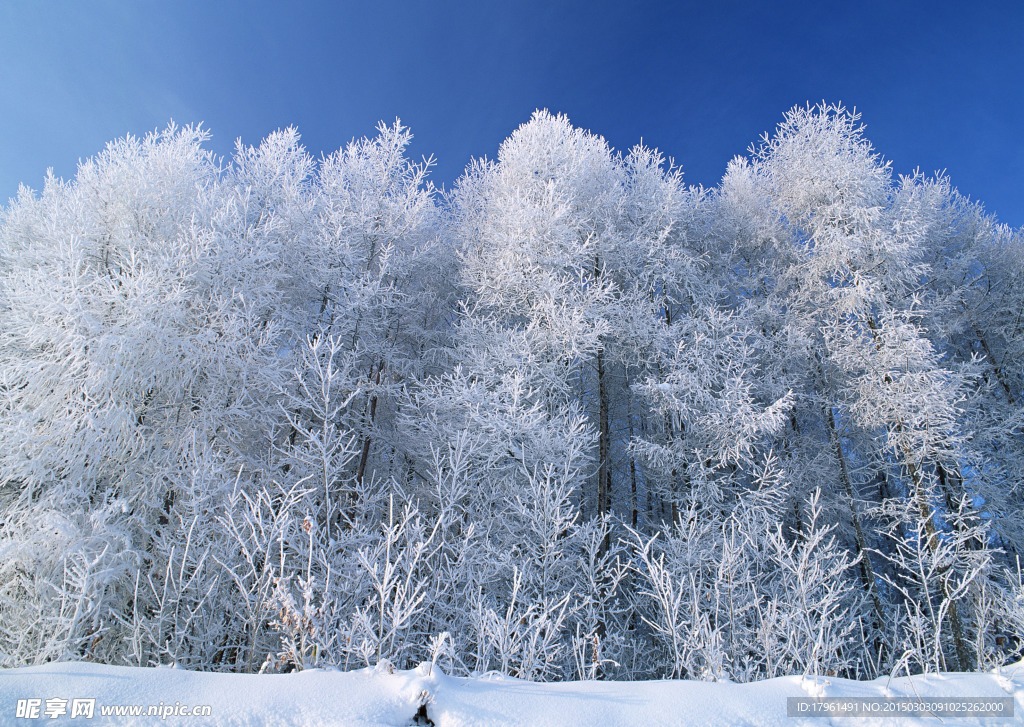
x,y
940,84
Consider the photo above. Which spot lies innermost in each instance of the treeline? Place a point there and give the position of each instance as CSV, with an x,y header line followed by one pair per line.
x,y
569,419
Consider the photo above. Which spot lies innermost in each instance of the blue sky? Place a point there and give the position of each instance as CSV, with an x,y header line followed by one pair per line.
x,y
940,84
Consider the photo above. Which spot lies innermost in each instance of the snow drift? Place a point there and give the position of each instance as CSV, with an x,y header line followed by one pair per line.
x,y
383,696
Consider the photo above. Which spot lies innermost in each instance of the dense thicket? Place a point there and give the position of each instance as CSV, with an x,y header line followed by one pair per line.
x,y
572,419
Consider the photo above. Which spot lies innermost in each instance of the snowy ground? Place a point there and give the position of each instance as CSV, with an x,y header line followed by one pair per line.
x,y
377,697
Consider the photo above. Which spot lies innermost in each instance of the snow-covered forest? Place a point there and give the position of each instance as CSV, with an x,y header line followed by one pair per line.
x,y
571,419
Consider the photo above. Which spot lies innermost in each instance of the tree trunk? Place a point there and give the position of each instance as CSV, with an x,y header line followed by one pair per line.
x,y
1000,376
604,445
867,572
920,498
927,516
364,455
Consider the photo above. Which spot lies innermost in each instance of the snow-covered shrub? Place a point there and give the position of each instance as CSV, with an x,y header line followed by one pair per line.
x,y
737,598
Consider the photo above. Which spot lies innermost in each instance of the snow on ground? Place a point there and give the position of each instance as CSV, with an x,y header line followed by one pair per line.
x,y
371,697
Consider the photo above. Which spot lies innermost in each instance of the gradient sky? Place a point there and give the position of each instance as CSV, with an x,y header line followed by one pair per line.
x,y
940,84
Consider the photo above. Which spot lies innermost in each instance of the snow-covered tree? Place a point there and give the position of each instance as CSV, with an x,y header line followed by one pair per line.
x,y
570,419
129,351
